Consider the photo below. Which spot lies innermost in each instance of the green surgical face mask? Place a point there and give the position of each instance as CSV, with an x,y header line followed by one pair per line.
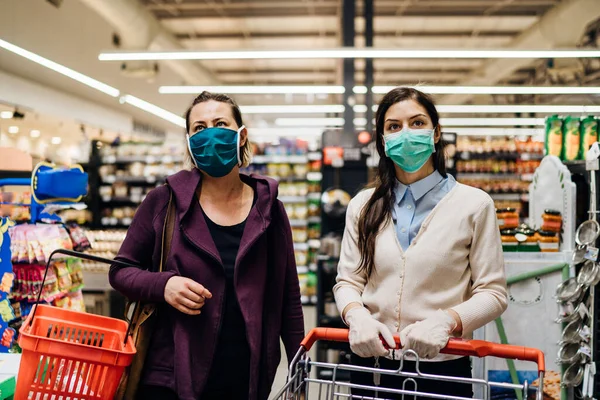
x,y
410,148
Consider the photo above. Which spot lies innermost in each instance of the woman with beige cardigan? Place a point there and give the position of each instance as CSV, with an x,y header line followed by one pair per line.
x,y
421,254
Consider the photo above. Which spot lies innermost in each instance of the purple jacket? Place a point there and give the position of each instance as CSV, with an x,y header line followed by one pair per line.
x,y
266,283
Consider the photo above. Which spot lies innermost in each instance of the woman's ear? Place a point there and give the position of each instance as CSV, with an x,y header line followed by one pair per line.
x,y
437,134
243,136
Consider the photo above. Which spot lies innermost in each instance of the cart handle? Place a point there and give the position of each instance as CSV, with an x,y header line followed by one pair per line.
x,y
458,347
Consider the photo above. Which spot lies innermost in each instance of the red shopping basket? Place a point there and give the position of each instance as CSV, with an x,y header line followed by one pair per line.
x,y
70,355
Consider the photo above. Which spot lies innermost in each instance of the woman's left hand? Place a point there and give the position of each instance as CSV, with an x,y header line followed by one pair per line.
x,y
428,337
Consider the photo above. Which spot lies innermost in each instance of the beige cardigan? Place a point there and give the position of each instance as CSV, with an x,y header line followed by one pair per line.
x,y
455,261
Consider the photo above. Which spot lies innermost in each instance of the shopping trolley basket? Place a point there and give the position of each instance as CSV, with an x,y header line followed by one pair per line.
x,y
301,386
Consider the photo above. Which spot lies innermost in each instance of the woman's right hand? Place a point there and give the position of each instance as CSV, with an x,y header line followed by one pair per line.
x,y
366,333
186,295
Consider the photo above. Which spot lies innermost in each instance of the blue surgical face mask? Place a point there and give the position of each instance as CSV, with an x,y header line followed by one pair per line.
x,y
216,151
410,148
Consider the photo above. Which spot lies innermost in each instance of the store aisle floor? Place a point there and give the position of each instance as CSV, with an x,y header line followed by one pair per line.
x,y
310,317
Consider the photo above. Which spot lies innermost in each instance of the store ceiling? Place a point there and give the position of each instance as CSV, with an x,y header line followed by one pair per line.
x,y
77,31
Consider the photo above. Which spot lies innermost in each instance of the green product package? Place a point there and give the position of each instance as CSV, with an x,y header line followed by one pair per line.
x,y
571,140
588,132
554,139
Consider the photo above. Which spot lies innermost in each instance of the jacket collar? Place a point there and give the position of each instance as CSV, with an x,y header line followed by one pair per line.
x,y
191,217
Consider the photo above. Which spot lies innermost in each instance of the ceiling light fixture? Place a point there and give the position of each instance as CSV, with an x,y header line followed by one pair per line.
x,y
153,109
252,89
13,130
445,122
489,90
343,53
293,109
61,69
446,109
496,131
34,133
56,140
6,114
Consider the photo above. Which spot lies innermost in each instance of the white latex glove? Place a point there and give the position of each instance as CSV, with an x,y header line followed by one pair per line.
x,y
364,334
428,337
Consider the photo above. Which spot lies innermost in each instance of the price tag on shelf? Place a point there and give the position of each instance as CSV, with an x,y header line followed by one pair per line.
x,y
151,179
110,159
106,199
110,179
113,221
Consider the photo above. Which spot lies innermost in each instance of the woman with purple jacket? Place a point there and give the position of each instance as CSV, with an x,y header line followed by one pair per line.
x,y
229,290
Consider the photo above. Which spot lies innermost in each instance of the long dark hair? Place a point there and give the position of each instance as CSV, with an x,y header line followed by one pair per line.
x,y
378,209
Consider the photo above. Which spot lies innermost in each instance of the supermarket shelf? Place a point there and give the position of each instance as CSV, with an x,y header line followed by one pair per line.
x,y
510,196
96,281
314,196
545,258
292,199
315,156
279,159
290,179
314,220
314,176
122,199
309,300
494,175
295,223
314,244
301,246
502,155
133,179
111,221
142,159
303,269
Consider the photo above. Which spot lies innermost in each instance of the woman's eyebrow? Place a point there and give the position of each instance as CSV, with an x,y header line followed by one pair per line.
x,y
418,115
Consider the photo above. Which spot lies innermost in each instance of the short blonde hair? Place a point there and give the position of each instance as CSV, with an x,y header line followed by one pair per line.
x,y
246,151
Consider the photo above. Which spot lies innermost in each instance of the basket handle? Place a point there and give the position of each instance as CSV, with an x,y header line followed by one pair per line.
x,y
473,348
76,254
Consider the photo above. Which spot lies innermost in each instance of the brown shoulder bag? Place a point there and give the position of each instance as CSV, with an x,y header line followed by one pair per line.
x,y
142,317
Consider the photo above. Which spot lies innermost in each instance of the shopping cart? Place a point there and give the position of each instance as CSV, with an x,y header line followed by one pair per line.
x,y
300,386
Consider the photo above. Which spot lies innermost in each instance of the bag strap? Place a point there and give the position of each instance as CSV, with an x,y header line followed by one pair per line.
x,y
167,233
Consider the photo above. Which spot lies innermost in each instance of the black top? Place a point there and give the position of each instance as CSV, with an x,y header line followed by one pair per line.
x,y
231,362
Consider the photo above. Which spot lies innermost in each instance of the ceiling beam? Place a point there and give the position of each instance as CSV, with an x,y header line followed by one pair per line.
x,y
561,27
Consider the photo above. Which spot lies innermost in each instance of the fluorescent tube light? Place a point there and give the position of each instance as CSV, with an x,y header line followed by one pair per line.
x,y
445,122
6,114
13,130
342,53
305,122
488,89
492,122
61,69
34,133
293,109
56,140
496,131
252,89
153,109
498,109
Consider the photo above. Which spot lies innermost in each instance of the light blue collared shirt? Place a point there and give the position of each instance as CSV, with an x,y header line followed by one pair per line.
x,y
415,202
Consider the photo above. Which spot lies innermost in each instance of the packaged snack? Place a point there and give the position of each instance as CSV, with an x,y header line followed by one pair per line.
x,y
508,218
554,136
588,132
63,276
551,221
548,241
571,139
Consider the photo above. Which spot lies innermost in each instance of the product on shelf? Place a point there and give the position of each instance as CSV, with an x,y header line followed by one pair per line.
x,y
571,138
551,221
548,241
554,136
509,240
588,132
508,218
